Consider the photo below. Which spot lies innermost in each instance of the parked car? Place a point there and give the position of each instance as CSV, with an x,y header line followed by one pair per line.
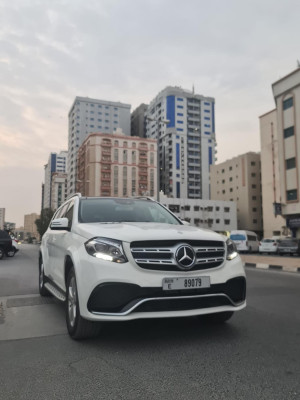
x,y
15,247
268,246
289,246
5,243
119,259
245,241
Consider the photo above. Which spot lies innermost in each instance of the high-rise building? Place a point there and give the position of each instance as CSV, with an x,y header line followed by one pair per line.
x,y
30,227
138,121
239,180
286,92
184,125
56,163
89,116
2,218
273,225
117,165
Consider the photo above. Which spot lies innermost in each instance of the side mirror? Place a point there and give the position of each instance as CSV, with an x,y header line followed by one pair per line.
x,y
60,224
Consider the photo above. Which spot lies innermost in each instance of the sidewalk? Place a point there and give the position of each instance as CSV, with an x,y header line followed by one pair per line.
x,y
288,264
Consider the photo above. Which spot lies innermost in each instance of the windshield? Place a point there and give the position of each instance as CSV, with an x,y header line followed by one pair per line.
x,y
123,210
237,237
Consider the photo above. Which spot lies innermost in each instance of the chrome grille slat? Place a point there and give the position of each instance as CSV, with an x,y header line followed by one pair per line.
x,y
162,257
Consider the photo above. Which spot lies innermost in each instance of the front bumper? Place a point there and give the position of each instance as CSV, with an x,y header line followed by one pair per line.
x,y
121,299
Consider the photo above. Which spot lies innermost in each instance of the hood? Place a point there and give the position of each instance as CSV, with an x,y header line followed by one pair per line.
x,y
134,231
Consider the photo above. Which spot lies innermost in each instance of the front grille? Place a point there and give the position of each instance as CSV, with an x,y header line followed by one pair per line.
x,y
160,255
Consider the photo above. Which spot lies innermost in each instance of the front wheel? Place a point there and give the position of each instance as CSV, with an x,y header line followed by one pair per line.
x,y
43,291
78,327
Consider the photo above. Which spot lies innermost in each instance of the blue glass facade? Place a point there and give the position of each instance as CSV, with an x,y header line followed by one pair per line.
x,y
171,111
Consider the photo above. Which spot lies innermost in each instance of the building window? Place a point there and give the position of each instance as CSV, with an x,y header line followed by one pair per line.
x,y
288,103
291,195
254,221
196,208
290,163
253,174
253,197
151,182
253,163
151,158
253,186
288,132
125,156
133,178
226,221
187,208
223,191
217,208
116,181
125,181
254,209
134,157
226,209
116,155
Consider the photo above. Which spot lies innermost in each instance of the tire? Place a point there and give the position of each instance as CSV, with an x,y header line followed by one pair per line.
x,y
78,327
217,318
1,253
250,250
11,253
43,291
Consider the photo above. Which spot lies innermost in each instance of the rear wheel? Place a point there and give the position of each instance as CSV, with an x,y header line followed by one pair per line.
x,y
11,253
78,327
1,253
217,318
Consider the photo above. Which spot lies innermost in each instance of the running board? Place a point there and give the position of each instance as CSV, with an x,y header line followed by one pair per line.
x,y
56,292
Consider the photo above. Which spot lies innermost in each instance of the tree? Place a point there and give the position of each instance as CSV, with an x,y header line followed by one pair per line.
x,y
44,220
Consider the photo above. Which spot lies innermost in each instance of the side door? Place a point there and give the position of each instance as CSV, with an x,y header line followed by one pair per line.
x,y
57,248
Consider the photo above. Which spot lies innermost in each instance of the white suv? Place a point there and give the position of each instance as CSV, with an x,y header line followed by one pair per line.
x,y
118,259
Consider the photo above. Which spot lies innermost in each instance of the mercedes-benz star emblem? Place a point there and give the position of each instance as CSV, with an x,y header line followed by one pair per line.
x,y
185,257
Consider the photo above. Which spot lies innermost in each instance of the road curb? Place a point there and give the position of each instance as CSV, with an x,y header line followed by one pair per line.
x,y
272,267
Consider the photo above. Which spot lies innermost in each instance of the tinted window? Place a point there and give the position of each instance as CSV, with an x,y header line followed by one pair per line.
x,y
252,238
123,210
237,237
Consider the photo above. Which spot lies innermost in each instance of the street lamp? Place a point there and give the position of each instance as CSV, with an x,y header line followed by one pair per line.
x,y
165,122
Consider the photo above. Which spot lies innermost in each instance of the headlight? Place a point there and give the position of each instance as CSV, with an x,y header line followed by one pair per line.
x,y
106,249
231,249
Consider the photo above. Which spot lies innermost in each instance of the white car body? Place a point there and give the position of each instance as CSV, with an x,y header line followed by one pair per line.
x,y
245,241
101,282
268,246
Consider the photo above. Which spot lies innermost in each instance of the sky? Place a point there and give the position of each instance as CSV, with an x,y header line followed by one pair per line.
x,y
128,51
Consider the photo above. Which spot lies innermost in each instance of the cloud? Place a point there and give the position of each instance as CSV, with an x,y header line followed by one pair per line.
x,y
128,51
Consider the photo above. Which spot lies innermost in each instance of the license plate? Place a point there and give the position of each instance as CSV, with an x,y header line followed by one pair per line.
x,y
186,283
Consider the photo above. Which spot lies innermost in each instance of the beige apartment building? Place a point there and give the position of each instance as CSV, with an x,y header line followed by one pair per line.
x,y
117,165
30,226
239,180
58,189
273,225
286,92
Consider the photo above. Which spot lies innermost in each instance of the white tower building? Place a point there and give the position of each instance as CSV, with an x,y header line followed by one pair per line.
x,y
184,124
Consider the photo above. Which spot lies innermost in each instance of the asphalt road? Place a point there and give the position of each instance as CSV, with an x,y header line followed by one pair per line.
x,y
254,356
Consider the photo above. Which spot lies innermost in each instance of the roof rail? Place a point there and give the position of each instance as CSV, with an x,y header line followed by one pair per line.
x,y
73,195
144,198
